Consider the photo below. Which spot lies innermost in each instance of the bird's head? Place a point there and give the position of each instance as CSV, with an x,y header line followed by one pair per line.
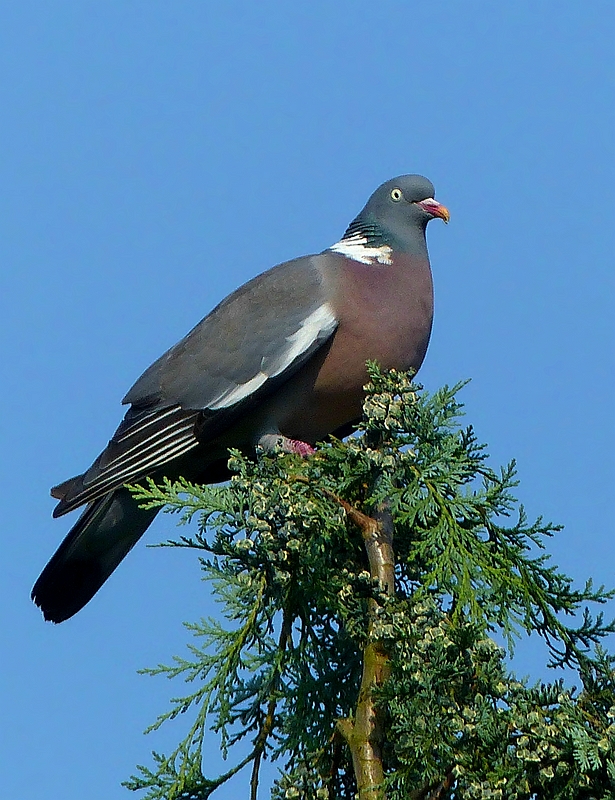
x,y
397,213
406,200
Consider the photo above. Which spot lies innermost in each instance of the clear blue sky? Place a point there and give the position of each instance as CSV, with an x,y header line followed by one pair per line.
x,y
153,156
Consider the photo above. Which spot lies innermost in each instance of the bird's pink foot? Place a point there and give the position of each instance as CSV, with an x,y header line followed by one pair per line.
x,y
302,449
276,443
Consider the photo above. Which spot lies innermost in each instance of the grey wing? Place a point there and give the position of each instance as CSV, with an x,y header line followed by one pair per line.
x,y
255,334
250,343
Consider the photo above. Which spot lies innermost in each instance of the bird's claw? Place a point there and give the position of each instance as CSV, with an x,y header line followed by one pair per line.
x,y
276,443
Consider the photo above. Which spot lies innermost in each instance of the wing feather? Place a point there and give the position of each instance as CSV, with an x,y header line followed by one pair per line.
x,y
253,340
132,455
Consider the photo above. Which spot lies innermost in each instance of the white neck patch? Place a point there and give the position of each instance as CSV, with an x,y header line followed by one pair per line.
x,y
356,247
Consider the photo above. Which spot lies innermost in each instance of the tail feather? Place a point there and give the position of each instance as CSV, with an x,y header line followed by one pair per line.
x,y
66,487
100,539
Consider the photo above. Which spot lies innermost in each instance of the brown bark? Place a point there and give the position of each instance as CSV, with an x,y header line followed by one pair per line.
x,y
364,733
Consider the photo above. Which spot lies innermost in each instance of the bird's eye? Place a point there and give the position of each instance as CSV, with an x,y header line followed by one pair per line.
x,y
396,195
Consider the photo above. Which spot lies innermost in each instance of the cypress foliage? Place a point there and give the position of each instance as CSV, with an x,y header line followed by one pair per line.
x,y
363,591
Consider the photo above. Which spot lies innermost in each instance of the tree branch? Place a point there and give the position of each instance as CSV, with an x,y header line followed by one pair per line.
x,y
364,735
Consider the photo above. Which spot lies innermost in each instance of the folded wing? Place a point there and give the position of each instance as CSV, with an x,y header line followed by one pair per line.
x,y
249,344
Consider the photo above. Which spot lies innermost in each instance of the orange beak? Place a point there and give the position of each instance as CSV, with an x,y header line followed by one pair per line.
x,y
434,208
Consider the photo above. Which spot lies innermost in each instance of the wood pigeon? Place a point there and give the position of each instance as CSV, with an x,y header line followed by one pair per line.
x,y
280,363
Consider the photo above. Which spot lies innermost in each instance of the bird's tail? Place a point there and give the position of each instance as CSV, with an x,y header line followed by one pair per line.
x,y
102,536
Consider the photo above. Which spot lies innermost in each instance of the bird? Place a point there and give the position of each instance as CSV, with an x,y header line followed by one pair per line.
x,y
278,365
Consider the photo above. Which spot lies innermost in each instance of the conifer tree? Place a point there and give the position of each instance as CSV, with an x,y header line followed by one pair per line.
x,y
366,591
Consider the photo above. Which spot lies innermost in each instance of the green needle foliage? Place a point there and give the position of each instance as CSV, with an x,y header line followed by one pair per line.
x,y
313,642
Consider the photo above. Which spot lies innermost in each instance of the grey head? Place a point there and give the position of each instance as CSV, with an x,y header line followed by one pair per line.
x,y
397,214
